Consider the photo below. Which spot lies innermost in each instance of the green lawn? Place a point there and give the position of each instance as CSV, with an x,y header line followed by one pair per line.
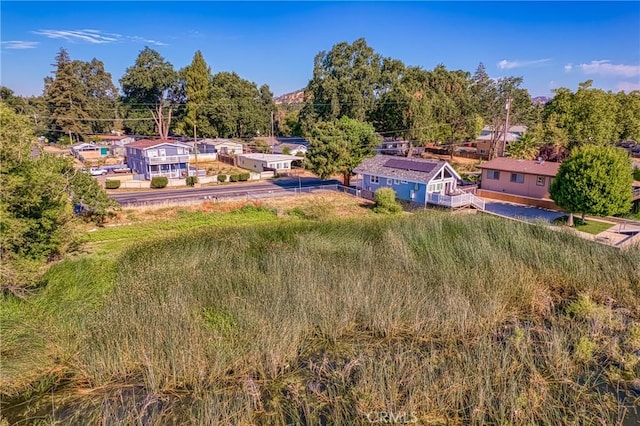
x,y
457,319
590,226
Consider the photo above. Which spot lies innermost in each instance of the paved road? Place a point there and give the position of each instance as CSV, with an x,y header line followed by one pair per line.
x,y
527,213
223,191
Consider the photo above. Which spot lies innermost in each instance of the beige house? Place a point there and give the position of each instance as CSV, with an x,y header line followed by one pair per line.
x,y
266,162
220,146
523,178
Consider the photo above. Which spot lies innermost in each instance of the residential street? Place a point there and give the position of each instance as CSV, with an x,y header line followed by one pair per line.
x,y
222,191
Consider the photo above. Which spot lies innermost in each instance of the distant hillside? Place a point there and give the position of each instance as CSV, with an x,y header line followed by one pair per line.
x,y
540,100
296,97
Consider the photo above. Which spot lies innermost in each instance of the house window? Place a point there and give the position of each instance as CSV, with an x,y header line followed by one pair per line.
x,y
152,153
517,178
540,180
403,181
493,174
389,181
374,179
435,187
396,181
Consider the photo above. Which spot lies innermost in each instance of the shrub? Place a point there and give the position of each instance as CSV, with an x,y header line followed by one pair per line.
x,y
234,178
159,182
244,177
386,202
636,173
112,184
222,178
192,180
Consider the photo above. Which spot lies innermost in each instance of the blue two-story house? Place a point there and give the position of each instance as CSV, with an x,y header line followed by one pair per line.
x,y
151,158
417,180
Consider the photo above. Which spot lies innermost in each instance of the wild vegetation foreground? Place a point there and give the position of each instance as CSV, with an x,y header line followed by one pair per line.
x,y
441,319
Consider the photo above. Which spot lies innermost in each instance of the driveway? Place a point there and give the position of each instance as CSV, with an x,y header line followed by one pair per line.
x,y
516,211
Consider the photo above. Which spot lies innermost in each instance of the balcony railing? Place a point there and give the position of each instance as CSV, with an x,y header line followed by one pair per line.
x,y
169,159
175,174
454,201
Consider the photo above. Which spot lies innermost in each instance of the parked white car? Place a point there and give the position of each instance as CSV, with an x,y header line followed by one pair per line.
x,y
97,172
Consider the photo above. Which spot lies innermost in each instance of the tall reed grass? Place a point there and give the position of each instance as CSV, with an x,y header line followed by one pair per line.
x,y
456,320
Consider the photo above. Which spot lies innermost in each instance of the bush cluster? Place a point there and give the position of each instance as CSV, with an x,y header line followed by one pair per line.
x,y
386,203
112,184
222,178
192,180
159,182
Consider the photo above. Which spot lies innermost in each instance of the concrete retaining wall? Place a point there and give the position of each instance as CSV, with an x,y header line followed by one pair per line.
x,y
518,199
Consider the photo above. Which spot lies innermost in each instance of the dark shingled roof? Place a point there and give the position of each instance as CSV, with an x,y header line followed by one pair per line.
x,y
389,166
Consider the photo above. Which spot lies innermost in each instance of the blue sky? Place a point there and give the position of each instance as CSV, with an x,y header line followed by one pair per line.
x,y
549,44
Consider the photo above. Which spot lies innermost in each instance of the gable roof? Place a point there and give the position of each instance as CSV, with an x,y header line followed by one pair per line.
x,y
544,168
84,145
149,143
218,141
278,149
413,169
270,157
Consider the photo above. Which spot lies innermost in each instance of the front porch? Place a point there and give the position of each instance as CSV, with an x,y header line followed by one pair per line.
x,y
455,201
171,171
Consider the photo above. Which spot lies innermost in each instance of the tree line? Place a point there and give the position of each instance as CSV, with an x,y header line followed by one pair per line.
x,y
452,106
80,99
351,80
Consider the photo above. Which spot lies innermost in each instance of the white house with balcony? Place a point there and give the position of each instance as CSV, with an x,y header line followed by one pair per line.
x,y
150,158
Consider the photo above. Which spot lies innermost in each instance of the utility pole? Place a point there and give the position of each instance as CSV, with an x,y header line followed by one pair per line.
x,y
272,135
506,129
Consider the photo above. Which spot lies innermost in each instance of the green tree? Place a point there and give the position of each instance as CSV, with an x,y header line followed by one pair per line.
x,y
87,192
66,99
594,180
150,85
628,117
38,192
239,108
499,99
345,82
101,95
526,148
589,116
339,146
197,85
35,208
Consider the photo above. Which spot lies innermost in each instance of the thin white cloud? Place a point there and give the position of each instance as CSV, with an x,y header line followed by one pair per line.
x,y
89,36
568,68
507,65
19,44
95,37
628,86
146,40
605,67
